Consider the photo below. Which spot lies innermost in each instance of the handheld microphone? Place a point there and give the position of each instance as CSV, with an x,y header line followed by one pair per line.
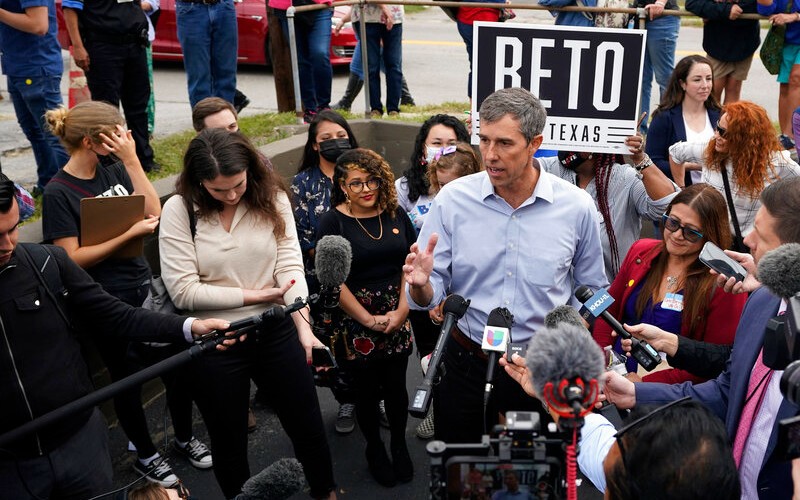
x,y
246,324
279,481
496,335
454,308
779,271
565,365
597,304
332,260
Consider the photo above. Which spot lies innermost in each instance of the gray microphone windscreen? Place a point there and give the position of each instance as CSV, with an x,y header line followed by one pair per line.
x,y
564,352
779,270
279,481
332,260
563,314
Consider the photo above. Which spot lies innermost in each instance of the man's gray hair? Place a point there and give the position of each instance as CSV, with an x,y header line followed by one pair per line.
x,y
521,105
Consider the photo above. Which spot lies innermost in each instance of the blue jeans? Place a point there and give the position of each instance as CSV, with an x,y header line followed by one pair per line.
x,y
465,30
659,58
32,96
392,58
209,41
313,58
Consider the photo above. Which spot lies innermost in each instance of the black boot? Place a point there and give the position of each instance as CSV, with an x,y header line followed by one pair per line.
x,y
405,95
354,85
240,101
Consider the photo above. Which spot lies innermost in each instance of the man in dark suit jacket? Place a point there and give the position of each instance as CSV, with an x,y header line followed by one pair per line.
x,y
762,474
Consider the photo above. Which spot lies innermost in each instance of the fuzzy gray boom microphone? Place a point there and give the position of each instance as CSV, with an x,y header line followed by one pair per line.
x,y
779,270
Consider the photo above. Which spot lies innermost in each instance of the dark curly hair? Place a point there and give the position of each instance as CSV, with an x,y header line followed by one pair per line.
x,y
215,152
310,155
417,173
372,163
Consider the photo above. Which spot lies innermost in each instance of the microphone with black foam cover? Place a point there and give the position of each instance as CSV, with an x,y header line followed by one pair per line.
x,y
496,336
597,304
779,271
279,481
563,314
565,365
332,259
454,308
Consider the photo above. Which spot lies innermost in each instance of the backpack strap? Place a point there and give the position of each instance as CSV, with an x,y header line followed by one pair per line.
x,y
46,267
192,218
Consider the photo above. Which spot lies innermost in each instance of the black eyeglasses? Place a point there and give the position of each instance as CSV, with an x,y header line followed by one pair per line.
x,y
721,130
639,421
672,224
358,186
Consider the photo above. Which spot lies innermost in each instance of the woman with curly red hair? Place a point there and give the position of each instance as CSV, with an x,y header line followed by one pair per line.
x,y
742,158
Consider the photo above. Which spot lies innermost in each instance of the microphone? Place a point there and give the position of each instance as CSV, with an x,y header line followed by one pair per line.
x,y
597,304
279,481
565,365
496,336
332,260
778,271
246,324
563,314
454,308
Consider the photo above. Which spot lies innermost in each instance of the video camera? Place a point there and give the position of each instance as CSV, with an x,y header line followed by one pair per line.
x,y
535,459
782,352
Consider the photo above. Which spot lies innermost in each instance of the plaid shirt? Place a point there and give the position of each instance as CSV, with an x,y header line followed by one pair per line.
x,y
745,205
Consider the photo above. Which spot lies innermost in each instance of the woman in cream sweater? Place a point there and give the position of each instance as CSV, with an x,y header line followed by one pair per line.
x,y
243,257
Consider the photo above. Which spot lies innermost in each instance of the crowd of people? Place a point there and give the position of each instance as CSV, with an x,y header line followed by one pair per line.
x,y
235,238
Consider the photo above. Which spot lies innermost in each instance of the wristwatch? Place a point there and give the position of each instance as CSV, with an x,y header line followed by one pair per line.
x,y
641,166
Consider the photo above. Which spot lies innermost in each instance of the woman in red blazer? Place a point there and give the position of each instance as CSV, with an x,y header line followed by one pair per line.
x,y
662,282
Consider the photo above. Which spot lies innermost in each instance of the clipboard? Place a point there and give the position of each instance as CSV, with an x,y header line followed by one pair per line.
x,y
107,217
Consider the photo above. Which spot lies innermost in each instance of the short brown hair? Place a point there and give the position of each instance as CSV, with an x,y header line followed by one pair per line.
x,y
208,107
782,200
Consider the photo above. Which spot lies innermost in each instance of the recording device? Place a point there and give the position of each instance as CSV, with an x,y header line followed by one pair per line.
x,y
496,336
520,348
520,447
279,481
597,304
565,365
454,308
321,357
242,326
779,271
788,446
332,260
712,256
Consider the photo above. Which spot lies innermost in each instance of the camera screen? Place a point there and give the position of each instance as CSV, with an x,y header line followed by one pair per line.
x,y
485,480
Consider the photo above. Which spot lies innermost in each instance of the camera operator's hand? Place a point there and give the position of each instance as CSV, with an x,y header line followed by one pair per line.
x,y
749,284
618,390
660,340
202,327
518,370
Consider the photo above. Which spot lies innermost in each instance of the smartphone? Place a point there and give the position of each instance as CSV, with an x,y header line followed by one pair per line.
x,y
713,256
322,357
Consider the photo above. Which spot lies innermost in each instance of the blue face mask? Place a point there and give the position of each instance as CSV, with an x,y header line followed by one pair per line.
x,y
430,153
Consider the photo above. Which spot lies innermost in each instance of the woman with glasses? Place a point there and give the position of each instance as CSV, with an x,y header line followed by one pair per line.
x,y
744,155
229,248
688,112
377,333
662,283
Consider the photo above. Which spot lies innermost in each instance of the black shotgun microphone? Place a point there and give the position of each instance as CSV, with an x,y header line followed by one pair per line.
x,y
496,336
278,481
332,259
597,304
454,308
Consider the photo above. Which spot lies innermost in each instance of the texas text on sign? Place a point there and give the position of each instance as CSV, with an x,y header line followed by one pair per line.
x,y
588,79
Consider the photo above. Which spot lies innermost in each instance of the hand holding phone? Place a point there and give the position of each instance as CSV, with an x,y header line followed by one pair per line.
x,y
712,256
321,357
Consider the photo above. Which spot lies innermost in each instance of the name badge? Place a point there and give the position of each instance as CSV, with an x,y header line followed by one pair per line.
x,y
673,302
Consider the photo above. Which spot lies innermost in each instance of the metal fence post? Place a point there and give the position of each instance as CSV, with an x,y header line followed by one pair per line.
x,y
362,29
298,100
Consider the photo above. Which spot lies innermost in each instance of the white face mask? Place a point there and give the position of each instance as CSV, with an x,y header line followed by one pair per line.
x,y
430,153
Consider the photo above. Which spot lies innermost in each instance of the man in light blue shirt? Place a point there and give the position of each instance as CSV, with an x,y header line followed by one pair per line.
x,y
512,236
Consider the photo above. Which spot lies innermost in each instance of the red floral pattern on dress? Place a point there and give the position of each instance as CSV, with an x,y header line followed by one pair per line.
x,y
364,345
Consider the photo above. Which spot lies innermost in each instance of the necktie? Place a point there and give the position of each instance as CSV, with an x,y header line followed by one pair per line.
x,y
759,380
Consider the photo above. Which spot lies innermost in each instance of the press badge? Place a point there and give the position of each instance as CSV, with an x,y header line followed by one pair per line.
x,y
673,302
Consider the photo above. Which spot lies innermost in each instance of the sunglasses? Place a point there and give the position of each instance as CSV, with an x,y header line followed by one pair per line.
x,y
672,224
444,152
639,421
721,130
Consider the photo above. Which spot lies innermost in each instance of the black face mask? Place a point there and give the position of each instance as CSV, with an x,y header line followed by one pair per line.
x,y
571,160
332,149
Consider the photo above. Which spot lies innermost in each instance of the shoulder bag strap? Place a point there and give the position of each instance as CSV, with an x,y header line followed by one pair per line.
x,y
729,197
73,187
46,269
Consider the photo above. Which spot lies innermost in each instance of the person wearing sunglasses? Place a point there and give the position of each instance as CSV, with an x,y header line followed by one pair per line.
x,y
741,159
623,195
376,333
662,283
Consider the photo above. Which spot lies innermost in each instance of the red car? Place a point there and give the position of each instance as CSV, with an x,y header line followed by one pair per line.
x,y
254,46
